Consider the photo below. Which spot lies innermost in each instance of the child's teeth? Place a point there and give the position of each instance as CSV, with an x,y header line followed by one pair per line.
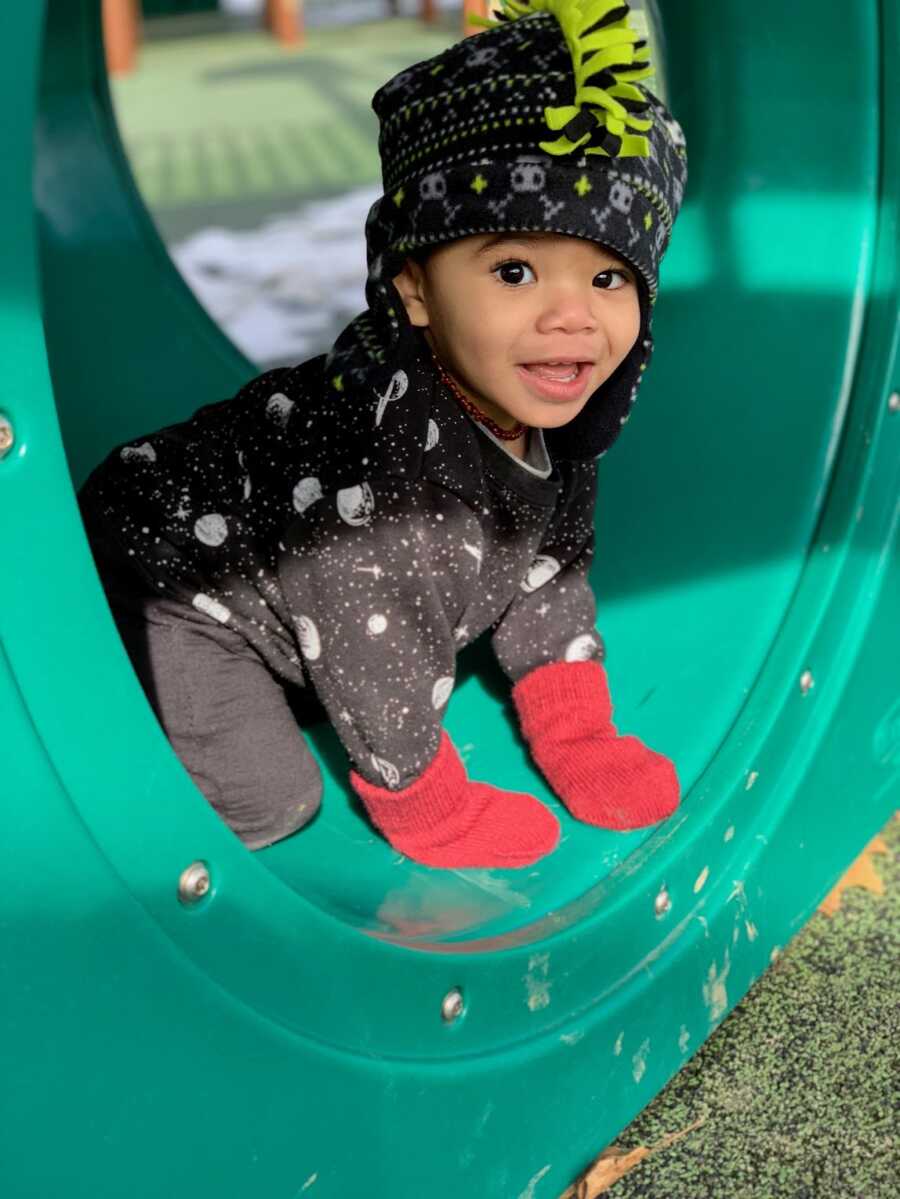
x,y
559,374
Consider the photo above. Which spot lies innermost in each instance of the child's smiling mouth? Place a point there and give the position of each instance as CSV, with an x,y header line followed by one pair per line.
x,y
561,380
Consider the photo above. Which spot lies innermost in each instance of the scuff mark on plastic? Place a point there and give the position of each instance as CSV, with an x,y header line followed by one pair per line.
x,y
499,888
309,1182
572,1038
528,1193
466,751
752,931
617,1048
537,981
701,879
715,994
486,1115
639,1061
684,1038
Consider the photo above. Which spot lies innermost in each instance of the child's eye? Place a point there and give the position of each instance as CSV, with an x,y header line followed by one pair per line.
x,y
624,280
511,267
517,265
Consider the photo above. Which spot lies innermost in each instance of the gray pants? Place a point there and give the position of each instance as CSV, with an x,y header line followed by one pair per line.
x,y
228,718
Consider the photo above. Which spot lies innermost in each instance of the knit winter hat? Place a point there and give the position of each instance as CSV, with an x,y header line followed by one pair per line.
x,y
537,124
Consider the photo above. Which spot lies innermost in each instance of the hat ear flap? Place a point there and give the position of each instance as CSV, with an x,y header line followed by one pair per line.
x,y
603,417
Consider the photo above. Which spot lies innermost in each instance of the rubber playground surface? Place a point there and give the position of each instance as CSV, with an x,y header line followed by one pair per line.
x,y
795,1096
232,127
796,1092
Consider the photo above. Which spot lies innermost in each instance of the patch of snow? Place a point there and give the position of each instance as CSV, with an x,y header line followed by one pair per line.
x,y
283,292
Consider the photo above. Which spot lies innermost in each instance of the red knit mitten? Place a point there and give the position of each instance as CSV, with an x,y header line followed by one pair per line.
x,y
442,819
615,782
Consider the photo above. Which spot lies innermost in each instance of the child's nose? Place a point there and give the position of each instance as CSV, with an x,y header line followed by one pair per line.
x,y
570,309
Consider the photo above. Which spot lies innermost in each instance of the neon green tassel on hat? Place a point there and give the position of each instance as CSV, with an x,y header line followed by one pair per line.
x,y
608,56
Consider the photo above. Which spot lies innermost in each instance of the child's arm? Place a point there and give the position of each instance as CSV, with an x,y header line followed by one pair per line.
x,y
553,616
376,577
548,645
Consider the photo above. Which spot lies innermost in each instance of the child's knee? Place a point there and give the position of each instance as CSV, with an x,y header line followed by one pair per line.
x,y
285,814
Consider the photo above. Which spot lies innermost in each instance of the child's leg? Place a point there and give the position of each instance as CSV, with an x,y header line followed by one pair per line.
x,y
225,714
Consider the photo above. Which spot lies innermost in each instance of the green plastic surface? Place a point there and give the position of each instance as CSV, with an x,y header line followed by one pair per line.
x,y
284,1037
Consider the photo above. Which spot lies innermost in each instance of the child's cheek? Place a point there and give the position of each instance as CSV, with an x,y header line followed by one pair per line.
x,y
488,339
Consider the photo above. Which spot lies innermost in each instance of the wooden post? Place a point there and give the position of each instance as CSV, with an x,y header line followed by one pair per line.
x,y
428,11
475,8
285,19
121,33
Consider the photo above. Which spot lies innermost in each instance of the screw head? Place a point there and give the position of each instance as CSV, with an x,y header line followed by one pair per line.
x,y
662,903
7,436
452,1005
194,883
807,682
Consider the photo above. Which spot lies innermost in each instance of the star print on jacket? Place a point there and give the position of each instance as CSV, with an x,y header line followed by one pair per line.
x,y
359,542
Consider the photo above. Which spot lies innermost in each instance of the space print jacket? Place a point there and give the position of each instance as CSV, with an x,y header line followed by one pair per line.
x,y
359,542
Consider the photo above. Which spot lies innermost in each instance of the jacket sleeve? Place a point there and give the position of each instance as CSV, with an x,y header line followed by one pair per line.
x,y
376,577
553,615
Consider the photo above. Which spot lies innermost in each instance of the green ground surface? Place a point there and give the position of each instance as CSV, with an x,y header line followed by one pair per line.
x,y
230,129
798,1089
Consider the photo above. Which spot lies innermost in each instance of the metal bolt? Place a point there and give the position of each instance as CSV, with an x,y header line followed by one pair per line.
x,y
7,436
194,883
807,682
894,401
452,1006
662,903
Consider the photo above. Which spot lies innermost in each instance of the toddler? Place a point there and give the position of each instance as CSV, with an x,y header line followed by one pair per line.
x,y
348,525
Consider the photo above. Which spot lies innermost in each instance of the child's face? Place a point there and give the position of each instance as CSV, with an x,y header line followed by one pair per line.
x,y
494,305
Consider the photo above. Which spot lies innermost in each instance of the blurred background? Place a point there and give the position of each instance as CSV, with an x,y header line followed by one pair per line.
x,y
249,128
